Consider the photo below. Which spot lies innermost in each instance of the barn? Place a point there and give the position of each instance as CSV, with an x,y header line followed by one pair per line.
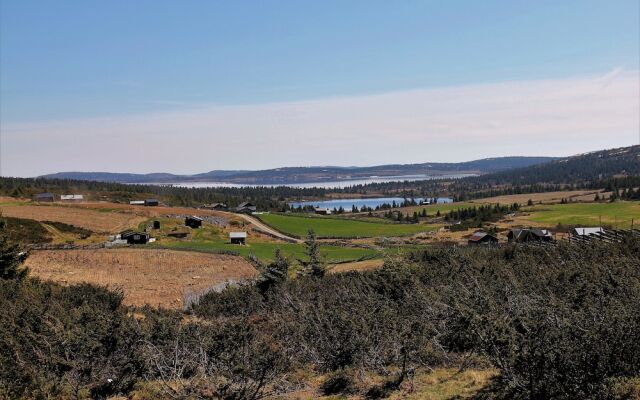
x,y
238,237
482,238
193,222
151,202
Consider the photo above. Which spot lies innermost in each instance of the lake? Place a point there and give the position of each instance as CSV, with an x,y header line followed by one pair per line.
x,y
348,204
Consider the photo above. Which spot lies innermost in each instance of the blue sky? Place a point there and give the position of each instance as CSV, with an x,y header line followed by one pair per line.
x,y
78,60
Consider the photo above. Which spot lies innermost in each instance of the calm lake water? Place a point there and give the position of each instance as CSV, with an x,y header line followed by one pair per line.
x,y
348,204
325,185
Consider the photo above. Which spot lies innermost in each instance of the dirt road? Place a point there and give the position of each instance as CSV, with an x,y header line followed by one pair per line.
x,y
266,228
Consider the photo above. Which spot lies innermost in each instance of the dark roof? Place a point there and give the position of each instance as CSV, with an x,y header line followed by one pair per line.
x,y
126,234
478,236
44,195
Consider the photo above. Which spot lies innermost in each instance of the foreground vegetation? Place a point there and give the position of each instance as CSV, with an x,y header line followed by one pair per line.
x,y
555,322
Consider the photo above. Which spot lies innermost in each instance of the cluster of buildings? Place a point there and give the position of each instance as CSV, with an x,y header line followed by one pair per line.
x,y
243,208
50,197
541,236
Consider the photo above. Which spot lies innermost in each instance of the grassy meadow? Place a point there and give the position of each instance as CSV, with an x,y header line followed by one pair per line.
x,y
213,239
339,228
617,214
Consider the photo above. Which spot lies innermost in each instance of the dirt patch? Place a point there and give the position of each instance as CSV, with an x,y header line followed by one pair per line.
x,y
548,197
358,266
94,220
154,277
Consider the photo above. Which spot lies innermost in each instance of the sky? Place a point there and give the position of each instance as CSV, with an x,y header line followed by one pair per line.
x,y
192,86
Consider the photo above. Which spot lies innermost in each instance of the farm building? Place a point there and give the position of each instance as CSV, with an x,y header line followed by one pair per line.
x,y
156,224
71,197
136,202
529,235
322,211
42,197
246,207
135,237
586,231
151,202
215,206
193,222
238,237
482,238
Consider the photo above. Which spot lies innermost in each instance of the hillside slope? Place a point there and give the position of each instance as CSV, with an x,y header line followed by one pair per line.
x,y
588,167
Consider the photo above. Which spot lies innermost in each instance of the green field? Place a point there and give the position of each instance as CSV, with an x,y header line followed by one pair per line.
x,y
339,228
618,214
210,238
265,251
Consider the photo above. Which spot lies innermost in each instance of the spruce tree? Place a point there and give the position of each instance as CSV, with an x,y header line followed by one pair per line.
x,y
274,273
314,265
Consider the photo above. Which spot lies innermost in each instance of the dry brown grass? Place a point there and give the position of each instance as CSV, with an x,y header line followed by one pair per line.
x,y
548,197
357,266
97,221
147,276
437,384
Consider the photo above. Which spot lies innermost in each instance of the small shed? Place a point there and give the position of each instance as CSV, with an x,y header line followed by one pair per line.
x,y
151,202
193,222
322,211
156,224
136,202
71,197
44,197
133,237
482,238
238,237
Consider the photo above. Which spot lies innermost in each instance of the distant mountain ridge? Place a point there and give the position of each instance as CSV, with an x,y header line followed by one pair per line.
x,y
290,175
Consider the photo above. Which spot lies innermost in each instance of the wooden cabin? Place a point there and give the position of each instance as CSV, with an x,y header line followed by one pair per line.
x,y
482,238
193,222
133,237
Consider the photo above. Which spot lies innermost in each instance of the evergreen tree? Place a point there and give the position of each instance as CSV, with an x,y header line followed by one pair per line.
x,y
274,273
315,266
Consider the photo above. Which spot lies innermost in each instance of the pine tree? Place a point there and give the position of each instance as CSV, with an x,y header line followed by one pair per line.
x,y
314,265
274,273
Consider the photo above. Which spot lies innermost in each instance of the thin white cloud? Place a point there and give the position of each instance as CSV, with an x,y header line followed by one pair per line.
x,y
542,117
